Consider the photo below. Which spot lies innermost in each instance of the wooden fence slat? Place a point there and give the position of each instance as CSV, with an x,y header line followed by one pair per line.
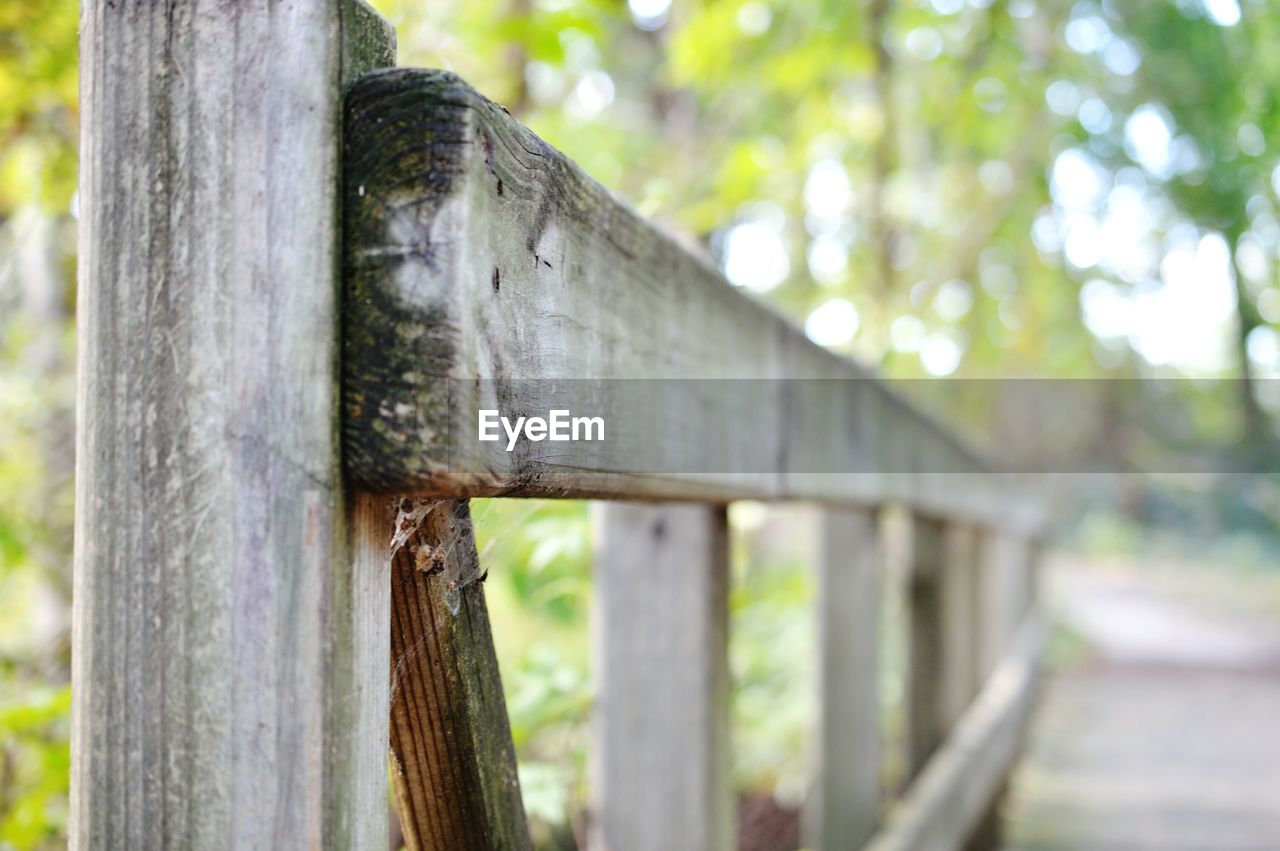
x,y
989,595
222,643
926,716
1005,592
661,761
477,251
960,647
847,795
455,765
365,708
980,667
1033,548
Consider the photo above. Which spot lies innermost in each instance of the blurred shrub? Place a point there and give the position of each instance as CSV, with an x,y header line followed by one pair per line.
x,y
35,761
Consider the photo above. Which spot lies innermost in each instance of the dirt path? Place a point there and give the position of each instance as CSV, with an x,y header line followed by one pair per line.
x,y
1163,733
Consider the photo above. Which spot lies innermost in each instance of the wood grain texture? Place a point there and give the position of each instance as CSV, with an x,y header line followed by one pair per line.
x,y
368,41
476,251
661,772
951,796
223,648
847,794
454,762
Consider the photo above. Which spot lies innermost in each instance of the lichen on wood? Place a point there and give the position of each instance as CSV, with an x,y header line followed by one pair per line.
x,y
475,251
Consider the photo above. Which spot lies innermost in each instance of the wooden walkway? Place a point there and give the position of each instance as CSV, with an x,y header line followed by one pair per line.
x,y
1162,731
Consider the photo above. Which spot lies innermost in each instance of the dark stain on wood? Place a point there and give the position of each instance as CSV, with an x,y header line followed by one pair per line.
x,y
407,140
414,140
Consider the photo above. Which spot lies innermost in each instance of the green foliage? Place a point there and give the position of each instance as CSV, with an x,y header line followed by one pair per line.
x,y
772,659
38,99
35,762
36,395
538,591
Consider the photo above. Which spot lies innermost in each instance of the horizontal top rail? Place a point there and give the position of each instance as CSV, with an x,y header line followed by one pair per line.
x,y
475,251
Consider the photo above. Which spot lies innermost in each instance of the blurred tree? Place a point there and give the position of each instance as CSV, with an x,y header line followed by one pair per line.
x,y
1210,81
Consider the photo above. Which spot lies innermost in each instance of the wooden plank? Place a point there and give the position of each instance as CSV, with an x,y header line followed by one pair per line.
x,y
847,793
222,644
1005,593
1035,548
946,804
660,779
476,251
368,41
961,628
362,621
980,664
455,765
927,720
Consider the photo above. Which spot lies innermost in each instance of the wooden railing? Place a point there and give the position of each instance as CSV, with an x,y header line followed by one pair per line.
x,y
475,250
238,605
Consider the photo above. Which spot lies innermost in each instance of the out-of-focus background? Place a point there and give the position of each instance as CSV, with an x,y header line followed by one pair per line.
x,y
998,189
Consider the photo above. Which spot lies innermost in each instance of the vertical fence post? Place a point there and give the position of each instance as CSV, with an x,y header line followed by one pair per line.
x,y
1033,572
661,774
1000,596
926,721
847,794
222,643
960,629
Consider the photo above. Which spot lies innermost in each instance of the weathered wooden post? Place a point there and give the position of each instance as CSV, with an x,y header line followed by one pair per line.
x,y
229,674
847,796
1001,608
961,636
662,761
